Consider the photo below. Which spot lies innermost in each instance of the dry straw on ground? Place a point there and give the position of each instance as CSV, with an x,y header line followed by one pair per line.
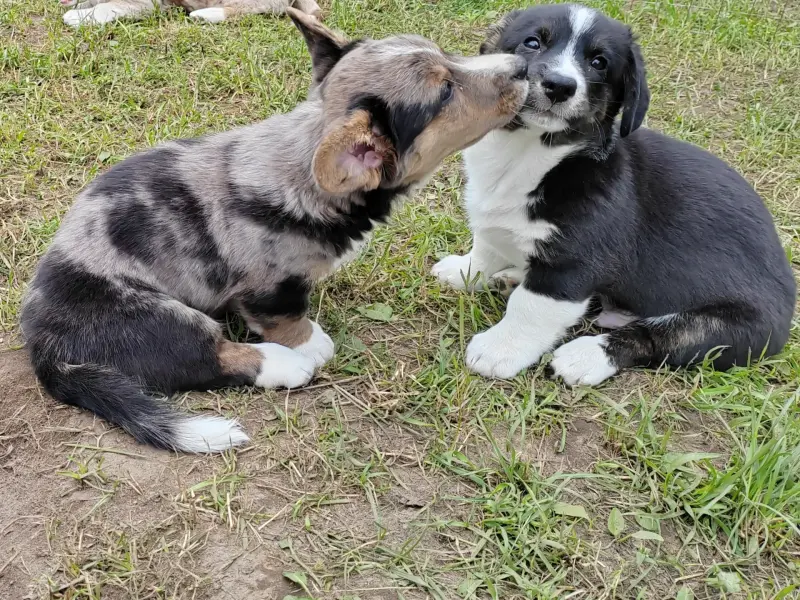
x,y
397,474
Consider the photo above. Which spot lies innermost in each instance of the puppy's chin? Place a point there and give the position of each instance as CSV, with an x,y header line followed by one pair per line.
x,y
544,121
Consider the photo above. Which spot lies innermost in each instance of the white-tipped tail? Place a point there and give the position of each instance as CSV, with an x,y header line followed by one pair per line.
x,y
207,434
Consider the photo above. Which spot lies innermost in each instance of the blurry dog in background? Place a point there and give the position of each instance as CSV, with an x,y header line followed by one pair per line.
x,y
96,12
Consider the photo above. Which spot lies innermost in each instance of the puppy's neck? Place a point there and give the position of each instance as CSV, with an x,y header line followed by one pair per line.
x,y
594,140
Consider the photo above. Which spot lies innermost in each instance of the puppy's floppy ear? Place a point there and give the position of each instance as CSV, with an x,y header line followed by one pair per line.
x,y
490,45
324,45
637,94
353,156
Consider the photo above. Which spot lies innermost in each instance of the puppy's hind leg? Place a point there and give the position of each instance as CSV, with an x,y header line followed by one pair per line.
x,y
230,8
265,365
506,281
736,332
107,12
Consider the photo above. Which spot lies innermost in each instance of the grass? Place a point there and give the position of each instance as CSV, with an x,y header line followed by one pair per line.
x,y
399,474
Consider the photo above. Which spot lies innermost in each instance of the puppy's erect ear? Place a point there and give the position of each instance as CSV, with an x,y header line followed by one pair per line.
x,y
353,156
324,45
490,45
637,94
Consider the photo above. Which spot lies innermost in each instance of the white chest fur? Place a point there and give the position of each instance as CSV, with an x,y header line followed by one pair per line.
x,y
501,171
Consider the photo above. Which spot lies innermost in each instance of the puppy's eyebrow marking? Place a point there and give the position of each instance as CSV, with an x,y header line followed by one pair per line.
x,y
580,19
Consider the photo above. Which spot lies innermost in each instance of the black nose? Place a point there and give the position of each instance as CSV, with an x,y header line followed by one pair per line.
x,y
558,87
521,70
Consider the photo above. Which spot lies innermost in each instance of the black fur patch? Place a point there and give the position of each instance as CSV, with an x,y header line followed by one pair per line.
x,y
410,120
289,298
190,142
350,46
403,123
338,233
130,228
136,229
325,54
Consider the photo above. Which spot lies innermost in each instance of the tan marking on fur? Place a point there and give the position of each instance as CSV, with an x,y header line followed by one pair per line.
x,y
438,74
309,7
312,23
239,359
289,332
462,123
332,173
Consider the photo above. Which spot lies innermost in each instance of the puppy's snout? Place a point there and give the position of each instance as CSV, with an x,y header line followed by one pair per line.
x,y
520,69
559,88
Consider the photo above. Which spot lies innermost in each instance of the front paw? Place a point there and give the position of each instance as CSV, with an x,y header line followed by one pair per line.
x,y
319,347
501,352
455,271
583,361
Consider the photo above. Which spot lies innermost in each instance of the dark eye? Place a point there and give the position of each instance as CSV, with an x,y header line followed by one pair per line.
x,y
599,63
533,42
447,91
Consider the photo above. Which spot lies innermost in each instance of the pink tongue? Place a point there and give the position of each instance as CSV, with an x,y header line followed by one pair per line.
x,y
372,160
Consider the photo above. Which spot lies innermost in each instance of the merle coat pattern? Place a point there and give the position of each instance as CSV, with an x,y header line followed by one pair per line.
x,y
122,304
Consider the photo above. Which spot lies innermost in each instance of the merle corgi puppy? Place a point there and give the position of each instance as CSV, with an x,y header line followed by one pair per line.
x,y
122,306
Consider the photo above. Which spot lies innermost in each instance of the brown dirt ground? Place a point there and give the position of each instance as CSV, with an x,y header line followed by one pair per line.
x,y
51,524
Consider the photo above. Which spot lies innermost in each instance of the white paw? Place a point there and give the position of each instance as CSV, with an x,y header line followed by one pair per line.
x,y
68,2
501,352
215,14
283,367
583,361
102,13
454,270
73,18
319,346
506,281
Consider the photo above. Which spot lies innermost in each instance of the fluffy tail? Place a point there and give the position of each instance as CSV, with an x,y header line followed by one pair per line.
x,y
120,400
